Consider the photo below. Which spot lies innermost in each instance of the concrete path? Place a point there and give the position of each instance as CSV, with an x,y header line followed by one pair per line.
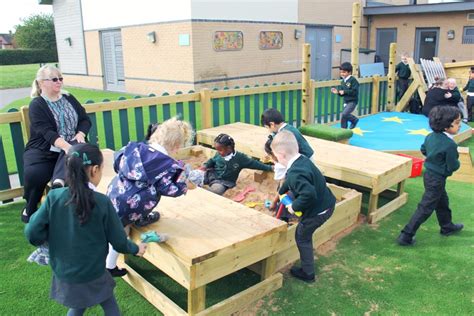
x,y
9,95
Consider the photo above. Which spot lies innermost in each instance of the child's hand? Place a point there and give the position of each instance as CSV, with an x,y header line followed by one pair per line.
x,y
190,185
202,168
341,92
290,209
334,90
447,95
274,203
141,249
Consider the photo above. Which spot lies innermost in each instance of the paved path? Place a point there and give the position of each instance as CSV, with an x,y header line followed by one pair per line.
x,y
9,95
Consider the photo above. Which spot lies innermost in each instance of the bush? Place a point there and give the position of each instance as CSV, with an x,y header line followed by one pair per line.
x,y
27,56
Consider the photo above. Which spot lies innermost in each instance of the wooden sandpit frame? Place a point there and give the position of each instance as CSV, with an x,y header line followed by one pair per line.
x,y
373,171
213,239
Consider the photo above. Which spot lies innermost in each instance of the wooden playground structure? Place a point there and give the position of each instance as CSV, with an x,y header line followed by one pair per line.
x,y
211,240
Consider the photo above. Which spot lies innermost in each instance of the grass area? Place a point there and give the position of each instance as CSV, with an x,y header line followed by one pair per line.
x,y
17,76
366,273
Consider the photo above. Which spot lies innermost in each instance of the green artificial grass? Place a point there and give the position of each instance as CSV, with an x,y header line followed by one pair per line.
x,y
365,273
17,76
326,132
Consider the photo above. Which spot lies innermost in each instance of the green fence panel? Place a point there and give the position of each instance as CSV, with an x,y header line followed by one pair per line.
x,y
265,98
237,117
139,122
274,98
291,94
179,107
92,137
332,105
4,177
192,112
283,103
166,109
256,108
215,111
108,128
152,110
326,104
247,107
298,108
124,124
226,108
18,145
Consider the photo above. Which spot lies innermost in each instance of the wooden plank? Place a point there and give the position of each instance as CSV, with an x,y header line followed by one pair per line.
x,y
149,292
25,123
206,108
241,300
462,136
375,95
391,77
403,102
373,203
376,215
142,102
306,85
467,63
325,84
355,43
466,172
254,90
11,194
10,117
196,300
268,267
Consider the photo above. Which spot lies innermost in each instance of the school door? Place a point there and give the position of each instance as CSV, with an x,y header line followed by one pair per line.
x,y
382,47
112,60
321,52
426,43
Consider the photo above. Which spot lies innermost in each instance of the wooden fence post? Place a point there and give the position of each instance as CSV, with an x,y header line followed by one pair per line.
x,y
25,118
355,38
375,94
306,86
391,77
206,108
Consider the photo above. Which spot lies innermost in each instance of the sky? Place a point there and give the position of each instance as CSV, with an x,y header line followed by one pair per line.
x,y
16,10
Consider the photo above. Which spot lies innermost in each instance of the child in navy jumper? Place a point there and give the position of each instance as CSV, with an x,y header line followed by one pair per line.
x,y
441,161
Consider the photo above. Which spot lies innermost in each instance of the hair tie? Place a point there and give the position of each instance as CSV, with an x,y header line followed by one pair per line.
x,y
85,160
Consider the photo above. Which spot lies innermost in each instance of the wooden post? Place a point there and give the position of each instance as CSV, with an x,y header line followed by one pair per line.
x,y
375,94
311,102
355,38
25,118
206,108
391,77
306,86
196,300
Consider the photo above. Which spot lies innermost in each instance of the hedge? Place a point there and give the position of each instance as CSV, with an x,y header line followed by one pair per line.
x,y
27,56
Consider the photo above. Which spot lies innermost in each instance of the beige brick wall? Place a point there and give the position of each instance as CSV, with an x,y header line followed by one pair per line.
x,y
331,12
92,42
146,87
209,64
87,82
406,32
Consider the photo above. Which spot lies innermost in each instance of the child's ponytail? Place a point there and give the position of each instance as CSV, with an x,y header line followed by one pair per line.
x,y
80,159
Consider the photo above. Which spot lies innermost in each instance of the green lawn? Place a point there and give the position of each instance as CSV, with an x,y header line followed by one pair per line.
x,y
366,273
17,76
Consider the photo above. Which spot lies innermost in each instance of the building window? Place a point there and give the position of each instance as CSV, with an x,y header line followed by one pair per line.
x,y
271,40
228,40
468,35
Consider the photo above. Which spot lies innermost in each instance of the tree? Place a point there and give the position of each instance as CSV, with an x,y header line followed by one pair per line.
x,y
36,32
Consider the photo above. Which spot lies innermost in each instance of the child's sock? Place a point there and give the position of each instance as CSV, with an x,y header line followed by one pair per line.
x,y
111,261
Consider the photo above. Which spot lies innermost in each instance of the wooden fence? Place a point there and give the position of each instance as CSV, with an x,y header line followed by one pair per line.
x,y
115,123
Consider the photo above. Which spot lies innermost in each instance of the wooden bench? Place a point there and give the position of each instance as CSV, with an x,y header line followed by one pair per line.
x,y
374,171
207,242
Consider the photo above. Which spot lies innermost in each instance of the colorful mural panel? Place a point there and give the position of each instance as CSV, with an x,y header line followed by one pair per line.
x,y
228,40
271,40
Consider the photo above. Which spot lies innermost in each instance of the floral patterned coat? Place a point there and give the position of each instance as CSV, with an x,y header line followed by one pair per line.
x,y
144,174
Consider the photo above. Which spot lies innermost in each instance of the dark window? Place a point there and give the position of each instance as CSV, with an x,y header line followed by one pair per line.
x,y
468,35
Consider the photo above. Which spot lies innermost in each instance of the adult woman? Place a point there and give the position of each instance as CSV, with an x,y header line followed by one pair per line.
x,y
437,95
57,120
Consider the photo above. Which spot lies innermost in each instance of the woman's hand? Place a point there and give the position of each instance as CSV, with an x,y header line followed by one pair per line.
x,y
447,95
334,90
141,249
80,137
202,168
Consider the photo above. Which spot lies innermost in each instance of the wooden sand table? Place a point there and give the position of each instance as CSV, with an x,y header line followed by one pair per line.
x,y
210,237
361,168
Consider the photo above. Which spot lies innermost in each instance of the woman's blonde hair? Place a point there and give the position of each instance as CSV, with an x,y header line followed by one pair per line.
x,y
44,72
173,134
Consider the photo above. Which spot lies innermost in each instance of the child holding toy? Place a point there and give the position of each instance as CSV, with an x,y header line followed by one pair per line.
x,y
470,94
222,170
274,122
78,223
441,161
312,199
349,90
145,172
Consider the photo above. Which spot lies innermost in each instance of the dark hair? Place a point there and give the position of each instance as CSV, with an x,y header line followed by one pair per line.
x,y
346,67
268,145
442,117
150,130
79,159
225,140
271,115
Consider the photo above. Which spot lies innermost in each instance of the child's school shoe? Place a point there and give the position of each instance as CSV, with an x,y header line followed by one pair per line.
x,y
454,228
405,240
353,125
150,219
303,276
117,273
24,217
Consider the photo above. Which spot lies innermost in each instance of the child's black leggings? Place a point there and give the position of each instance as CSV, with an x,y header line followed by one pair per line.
x,y
109,306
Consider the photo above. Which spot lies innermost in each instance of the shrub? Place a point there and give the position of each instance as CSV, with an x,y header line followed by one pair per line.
x,y
27,56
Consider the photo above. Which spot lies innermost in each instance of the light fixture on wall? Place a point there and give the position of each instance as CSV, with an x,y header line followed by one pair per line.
x,y
298,34
451,34
151,37
68,40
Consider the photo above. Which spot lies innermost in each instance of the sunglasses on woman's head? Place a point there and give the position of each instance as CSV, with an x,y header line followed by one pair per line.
x,y
55,79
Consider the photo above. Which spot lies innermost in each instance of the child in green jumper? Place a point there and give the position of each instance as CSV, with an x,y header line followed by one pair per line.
x,y
441,161
404,72
349,90
312,199
224,168
470,94
78,223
